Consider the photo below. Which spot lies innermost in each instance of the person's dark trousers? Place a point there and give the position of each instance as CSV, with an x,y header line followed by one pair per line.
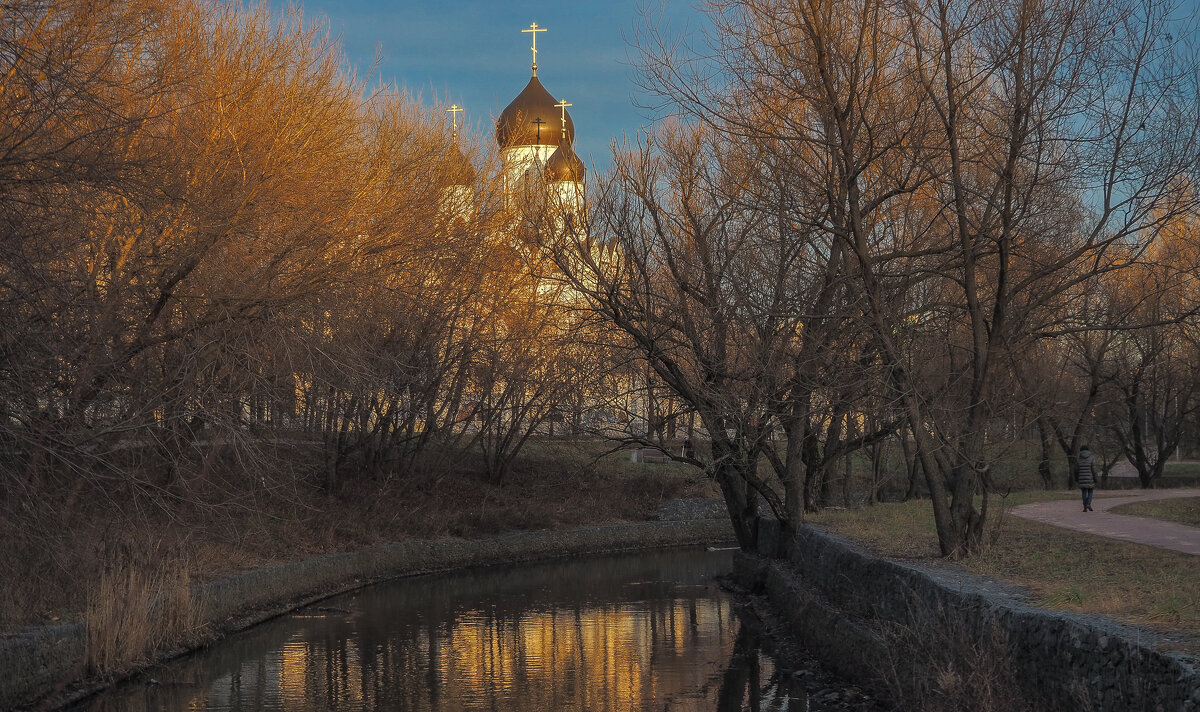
x,y
1087,497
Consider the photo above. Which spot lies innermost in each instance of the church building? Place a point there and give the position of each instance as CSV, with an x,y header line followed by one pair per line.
x,y
535,134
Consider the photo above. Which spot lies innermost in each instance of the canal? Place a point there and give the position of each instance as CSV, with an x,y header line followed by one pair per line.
x,y
645,631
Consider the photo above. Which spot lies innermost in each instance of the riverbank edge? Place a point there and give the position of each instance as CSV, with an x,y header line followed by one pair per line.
x,y
43,667
846,605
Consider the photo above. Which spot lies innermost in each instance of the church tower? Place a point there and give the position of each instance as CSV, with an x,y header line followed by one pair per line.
x,y
531,131
564,173
458,198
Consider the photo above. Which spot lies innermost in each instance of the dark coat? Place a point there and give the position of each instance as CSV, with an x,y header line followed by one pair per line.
x,y
1085,469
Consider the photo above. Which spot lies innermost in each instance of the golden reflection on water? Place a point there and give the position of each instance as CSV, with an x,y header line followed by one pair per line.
x,y
610,641
602,658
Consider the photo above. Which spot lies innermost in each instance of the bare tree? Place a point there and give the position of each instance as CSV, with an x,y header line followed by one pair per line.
x,y
1154,387
976,161
691,254
216,247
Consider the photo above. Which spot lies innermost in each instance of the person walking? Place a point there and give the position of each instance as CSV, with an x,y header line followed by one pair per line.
x,y
1085,475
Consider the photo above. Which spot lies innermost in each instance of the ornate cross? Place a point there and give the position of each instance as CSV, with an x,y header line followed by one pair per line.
x,y
538,122
562,104
533,30
454,111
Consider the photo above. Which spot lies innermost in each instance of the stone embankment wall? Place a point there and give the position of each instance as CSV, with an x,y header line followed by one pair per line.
x,y
846,605
46,662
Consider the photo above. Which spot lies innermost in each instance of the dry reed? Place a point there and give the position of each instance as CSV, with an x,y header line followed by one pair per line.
x,y
140,605
938,662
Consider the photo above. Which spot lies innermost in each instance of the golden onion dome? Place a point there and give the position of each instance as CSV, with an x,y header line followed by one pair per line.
x,y
532,119
459,170
564,165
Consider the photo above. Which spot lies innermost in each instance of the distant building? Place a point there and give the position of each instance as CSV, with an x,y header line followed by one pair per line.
x,y
535,134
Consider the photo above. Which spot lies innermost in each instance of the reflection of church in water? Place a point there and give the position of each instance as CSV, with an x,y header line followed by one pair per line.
x,y
605,634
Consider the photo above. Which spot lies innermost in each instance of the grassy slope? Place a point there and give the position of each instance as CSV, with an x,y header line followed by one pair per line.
x,y
555,484
1184,511
1062,569
53,568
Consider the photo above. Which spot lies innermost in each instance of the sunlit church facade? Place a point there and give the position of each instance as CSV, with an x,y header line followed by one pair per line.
x,y
543,182
535,135
539,167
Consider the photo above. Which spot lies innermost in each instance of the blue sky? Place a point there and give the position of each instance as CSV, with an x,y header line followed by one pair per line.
x,y
473,53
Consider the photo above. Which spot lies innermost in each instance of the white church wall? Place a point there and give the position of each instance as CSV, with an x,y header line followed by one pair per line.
x,y
519,160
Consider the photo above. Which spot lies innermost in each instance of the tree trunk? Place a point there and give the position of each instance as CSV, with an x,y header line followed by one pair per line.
x,y
1044,470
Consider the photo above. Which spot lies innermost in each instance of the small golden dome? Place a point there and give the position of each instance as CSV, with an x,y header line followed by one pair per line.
x,y
564,165
532,119
458,169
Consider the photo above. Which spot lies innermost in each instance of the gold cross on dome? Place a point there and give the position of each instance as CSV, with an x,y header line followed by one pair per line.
x,y
454,111
562,104
533,30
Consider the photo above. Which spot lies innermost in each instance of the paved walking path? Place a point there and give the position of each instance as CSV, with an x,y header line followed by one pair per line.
x,y
1068,513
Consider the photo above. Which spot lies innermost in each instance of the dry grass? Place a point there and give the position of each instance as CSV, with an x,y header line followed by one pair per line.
x,y
1062,569
938,663
1185,510
141,604
57,567
1076,571
904,530
1182,469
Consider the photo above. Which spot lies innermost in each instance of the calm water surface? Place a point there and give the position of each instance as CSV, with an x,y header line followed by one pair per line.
x,y
633,632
